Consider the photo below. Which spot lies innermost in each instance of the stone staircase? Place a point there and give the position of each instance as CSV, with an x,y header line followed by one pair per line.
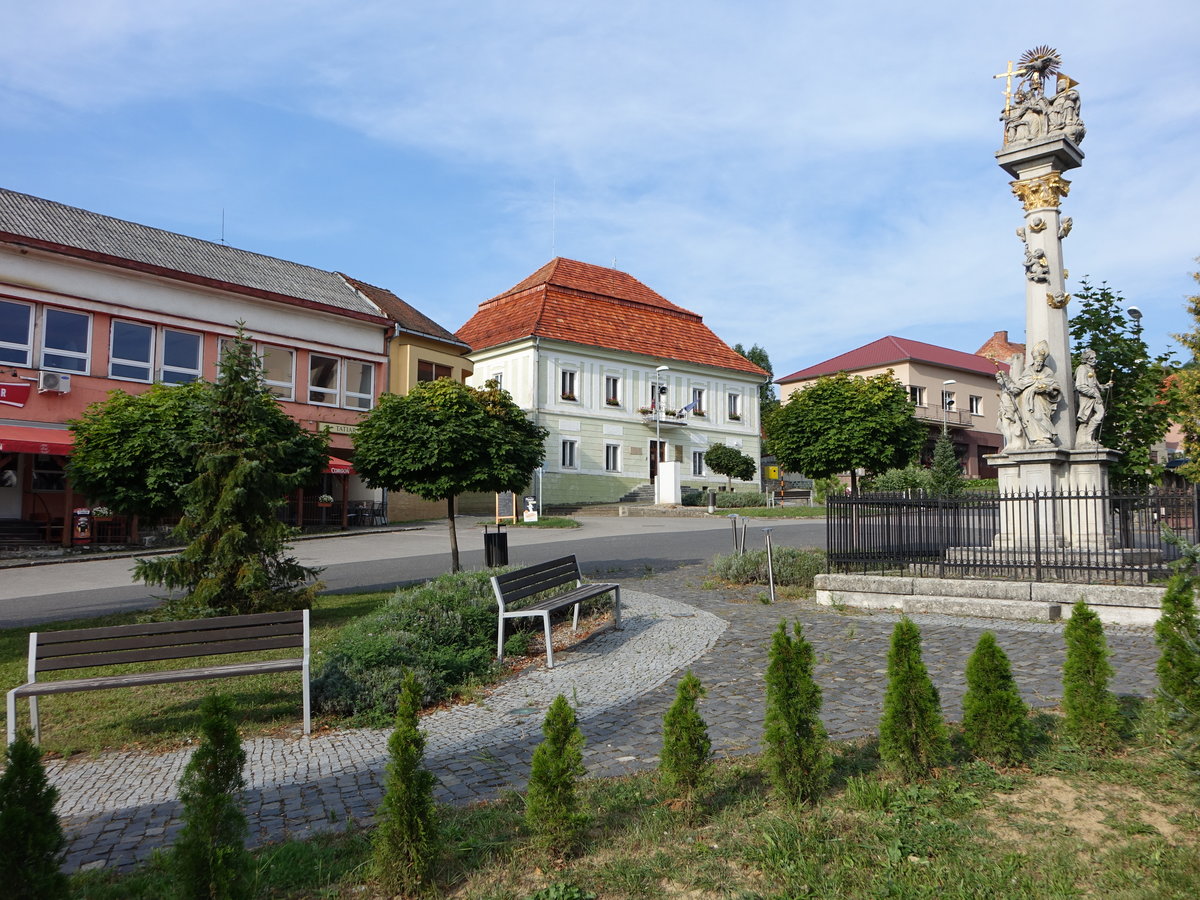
x,y
643,493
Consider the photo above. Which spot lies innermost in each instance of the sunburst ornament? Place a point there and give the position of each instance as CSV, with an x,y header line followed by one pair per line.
x,y
1040,63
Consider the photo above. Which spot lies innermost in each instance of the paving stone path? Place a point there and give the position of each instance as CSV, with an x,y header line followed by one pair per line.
x,y
120,807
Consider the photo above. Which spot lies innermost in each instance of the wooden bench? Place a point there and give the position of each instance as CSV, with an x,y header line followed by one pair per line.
x,y
515,586
120,645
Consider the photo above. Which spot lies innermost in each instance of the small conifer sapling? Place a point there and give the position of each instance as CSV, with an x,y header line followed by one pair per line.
x,y
210,857
31,838
912,734
995,718
1092,718
407,841
1177,633
685,762
796,745
552,804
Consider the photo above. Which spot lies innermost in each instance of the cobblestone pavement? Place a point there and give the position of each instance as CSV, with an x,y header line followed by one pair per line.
x,y
120,807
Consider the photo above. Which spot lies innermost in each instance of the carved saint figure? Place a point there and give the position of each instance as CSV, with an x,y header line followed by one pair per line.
x,y
1036,268
1008,419
1037,398
1089,393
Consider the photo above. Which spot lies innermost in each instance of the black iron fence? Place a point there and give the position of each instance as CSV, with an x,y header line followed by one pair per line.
x,y
1077,536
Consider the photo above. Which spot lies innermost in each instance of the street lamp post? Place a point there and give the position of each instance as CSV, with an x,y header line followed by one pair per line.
x,y
946,401
657,428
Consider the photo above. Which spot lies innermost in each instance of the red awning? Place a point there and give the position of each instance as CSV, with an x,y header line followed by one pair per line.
x,y
338,467
45,441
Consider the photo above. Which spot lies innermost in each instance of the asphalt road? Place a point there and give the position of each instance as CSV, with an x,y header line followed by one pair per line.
x,y
383,560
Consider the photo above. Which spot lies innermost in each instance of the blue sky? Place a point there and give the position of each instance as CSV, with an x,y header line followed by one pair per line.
x,y
807,176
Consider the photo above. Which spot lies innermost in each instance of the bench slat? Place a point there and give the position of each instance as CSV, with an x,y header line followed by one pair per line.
x,y
133,679
182,625
525,583
562,600
143,642
122,657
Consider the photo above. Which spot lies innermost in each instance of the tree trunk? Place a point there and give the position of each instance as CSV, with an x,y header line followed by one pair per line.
x,y
454,566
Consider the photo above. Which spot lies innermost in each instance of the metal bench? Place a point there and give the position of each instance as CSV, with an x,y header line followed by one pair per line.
x,y
512,587
120,645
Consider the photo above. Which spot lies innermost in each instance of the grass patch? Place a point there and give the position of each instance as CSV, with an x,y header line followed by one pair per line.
x,y
794,567
778,512
546,522
1117,826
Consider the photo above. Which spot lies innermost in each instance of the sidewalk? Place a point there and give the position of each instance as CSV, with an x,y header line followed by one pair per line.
x,y
120,807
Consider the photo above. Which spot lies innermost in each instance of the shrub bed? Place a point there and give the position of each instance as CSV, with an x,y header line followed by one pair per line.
x,y
794,566
444,631
726,499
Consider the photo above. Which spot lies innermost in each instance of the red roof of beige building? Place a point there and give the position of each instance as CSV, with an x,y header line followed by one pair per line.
x,y
568,300
888,350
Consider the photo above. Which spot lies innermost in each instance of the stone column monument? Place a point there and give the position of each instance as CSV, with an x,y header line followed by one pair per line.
x,y
1038,402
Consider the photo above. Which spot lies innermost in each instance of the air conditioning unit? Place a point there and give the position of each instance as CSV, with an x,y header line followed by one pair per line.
x,y
53,382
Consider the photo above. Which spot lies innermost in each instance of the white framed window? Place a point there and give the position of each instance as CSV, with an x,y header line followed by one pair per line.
x,y
360,384
612,457
180,356
612,390
567,384
734,407
948,400
697,462
499,379
131,351
916,395
976,405
16,332
697,401
569,454
66,340
324,376
279,371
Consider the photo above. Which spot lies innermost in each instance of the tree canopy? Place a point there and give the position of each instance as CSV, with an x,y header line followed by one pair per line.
x,y
249,454
443,439
730,462
843,423
1142,400
767,400
135,453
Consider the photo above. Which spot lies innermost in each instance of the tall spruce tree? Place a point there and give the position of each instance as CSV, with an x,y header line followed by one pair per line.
x,y
1092,718
236,557
945,474
912,734
796,745
31,837
685,762
210,857
407,841
552,805
1177,633
995,718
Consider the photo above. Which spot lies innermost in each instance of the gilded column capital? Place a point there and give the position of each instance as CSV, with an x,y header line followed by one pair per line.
x,y
1041,192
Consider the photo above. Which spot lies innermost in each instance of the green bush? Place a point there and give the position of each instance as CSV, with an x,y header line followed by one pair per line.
x,y
406,842
795,746
684,764
912,734
210,858
552,804
1177,633
739,499
31,838
1092,718
518,643
995,718
910,478
794,566
444,631
823,487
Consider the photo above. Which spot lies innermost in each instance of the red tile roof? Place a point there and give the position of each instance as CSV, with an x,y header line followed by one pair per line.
x,y
1000,348
572,301
890,350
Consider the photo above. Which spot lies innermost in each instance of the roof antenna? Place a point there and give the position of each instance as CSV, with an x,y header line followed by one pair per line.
x,y
222,225
554,219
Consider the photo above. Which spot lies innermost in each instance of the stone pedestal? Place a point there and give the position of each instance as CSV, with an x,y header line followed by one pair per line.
x,y
1063,498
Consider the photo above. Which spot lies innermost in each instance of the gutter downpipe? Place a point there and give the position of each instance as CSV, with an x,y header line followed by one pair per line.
x,y
537,411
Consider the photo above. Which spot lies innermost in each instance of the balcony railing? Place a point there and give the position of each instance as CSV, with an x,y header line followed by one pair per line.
x,y
960,418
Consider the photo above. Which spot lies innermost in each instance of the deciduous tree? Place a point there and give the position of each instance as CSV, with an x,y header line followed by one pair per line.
x,y
443,439
767,400
1142,400
842,423
1187,381
730,462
